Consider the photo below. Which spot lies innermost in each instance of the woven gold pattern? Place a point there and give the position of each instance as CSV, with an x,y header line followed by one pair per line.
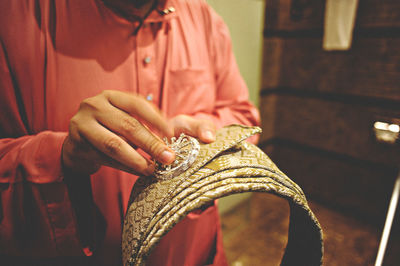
x,y
227,166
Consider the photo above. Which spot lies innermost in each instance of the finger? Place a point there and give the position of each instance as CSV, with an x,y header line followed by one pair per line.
x,y
107,161
90,159
114,147
202,129
206,131
116,165
134,132
140,108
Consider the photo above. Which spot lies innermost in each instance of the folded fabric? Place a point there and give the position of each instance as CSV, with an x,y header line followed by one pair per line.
x,y
227,166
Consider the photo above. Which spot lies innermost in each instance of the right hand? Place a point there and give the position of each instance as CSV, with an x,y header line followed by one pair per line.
x,y
109,127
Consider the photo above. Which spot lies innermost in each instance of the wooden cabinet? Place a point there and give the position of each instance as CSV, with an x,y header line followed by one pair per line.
x,y
318,107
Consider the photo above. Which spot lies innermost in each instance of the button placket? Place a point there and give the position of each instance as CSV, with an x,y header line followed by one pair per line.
x,y
147,78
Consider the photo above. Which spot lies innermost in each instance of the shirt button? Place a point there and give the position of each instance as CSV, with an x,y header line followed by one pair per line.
x,y
147,59
149,97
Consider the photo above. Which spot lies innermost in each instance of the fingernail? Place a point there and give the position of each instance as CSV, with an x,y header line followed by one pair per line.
x,y
167,157
208,135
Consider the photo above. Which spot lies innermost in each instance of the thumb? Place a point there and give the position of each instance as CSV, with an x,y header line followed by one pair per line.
x,y
202,129
205,131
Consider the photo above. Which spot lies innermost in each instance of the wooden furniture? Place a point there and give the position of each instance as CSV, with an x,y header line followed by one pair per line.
x,y
318,108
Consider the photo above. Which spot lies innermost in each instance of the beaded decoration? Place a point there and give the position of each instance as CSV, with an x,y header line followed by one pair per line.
x,y
186,149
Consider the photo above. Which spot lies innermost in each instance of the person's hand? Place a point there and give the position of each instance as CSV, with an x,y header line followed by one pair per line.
x,y
107,130
201,129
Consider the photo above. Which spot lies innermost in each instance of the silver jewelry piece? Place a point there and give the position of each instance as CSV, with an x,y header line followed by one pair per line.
x,y
186,150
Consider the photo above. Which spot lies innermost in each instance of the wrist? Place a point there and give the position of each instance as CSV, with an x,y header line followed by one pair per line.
x,y
72,164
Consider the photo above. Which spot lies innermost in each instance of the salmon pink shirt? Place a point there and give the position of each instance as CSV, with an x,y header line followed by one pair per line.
x,y
53,55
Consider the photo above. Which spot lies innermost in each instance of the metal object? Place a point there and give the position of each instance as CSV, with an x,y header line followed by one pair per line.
x,y
147,59
166,11
186,150
388,133
388,223
149,97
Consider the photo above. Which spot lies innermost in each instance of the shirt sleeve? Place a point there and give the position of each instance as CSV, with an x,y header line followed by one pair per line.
x,y
232,101
37,218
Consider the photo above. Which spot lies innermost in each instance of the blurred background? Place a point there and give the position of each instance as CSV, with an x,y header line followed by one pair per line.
x,y
326,77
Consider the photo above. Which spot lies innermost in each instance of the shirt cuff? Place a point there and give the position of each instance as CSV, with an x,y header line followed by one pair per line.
x,y
41,157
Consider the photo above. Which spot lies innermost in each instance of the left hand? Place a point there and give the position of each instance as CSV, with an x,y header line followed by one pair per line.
x,y
204,130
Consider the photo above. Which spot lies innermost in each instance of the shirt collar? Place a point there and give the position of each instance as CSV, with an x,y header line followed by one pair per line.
x,y
165,10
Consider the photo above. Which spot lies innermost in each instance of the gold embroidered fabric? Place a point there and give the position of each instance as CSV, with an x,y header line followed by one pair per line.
x,y
227,166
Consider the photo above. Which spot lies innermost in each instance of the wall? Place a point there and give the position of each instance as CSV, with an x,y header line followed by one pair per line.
x,y
245,20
